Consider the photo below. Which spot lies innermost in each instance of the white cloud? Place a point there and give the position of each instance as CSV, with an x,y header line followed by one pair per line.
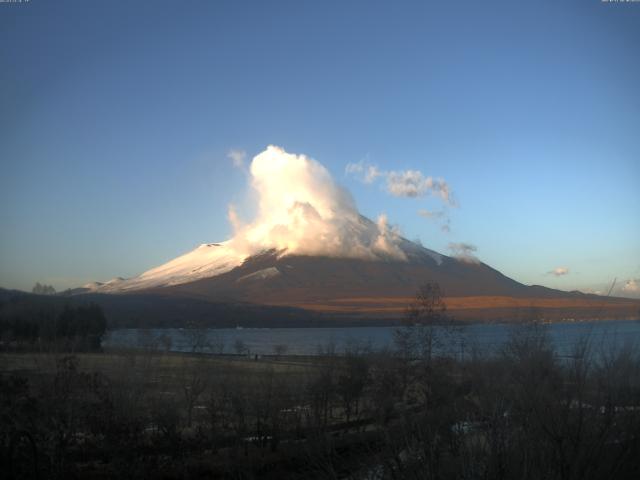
x,y
354,168
367,172
430,214
629,288
464,251
413,183
387,240
632,286
403,183
591,291
371,174
301,209
232,215
438,216
559,271
237,157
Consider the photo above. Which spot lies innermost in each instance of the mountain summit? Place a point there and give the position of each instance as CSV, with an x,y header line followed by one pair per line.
x,y
375,243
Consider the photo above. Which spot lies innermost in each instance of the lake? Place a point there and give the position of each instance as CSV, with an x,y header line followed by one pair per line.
x,y
602,335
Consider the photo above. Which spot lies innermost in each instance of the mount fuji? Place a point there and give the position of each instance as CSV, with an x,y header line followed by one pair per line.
x,y
309,249
348,289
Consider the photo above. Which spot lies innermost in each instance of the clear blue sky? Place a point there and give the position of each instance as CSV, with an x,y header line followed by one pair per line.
x,y
116,118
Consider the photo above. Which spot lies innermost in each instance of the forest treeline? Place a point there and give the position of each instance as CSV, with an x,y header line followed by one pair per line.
x,y
31,322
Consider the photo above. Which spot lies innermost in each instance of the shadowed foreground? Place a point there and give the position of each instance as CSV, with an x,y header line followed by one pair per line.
x,y
525,413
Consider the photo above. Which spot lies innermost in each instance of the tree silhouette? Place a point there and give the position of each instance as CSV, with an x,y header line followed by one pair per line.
x,y
43,289
417,338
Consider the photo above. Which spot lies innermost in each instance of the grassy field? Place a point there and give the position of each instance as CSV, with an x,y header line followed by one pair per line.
x,y
477,308
167,373
114,361
394,414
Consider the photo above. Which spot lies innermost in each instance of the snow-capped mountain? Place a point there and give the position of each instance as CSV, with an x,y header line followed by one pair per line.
x,y
212,259
207,260
376,284
309,248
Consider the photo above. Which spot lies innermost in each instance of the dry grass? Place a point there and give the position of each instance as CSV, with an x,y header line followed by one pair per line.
x,y
160,371
397,305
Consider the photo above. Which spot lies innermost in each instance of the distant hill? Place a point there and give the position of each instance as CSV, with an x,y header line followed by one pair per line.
x,y
159,311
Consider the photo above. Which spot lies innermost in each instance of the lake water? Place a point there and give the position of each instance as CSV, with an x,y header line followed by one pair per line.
x,y
602,335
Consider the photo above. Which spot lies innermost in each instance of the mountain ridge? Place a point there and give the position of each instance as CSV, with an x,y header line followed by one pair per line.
x,y
376,279
376,290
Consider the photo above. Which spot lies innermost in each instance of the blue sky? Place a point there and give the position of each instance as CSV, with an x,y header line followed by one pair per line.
x,y
116,119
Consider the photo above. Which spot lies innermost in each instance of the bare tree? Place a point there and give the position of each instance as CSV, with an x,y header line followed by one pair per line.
x,y
418,338
196,338
216,343
193,386
146,339
351,383
240,347
41,289
280,349
215,404
166,341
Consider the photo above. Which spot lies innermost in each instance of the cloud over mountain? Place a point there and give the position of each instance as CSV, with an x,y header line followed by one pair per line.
x,y
237,157
431,214
559,271
300,208
403,183
464,251
632,286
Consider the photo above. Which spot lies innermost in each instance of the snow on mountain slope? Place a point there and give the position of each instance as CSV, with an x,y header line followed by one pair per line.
x,y
263,274
213,259
207,260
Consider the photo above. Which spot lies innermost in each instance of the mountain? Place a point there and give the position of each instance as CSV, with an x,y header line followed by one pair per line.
x,y
375,287
207,260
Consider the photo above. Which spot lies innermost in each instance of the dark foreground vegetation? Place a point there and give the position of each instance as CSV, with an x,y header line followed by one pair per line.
x,y
159,311
524,413
31,323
